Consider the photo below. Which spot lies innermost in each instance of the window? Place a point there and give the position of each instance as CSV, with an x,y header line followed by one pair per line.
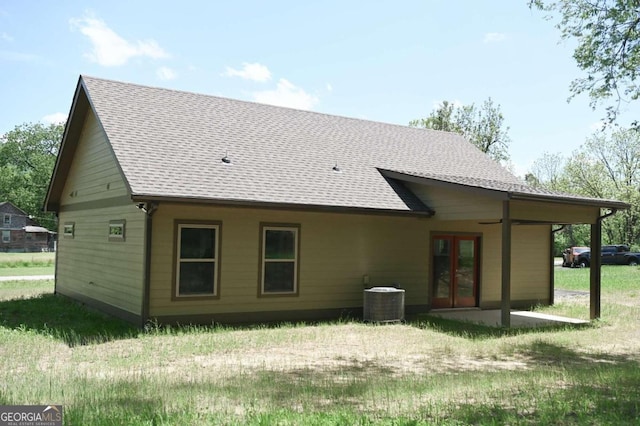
x,y
279,259
116,230
68,230
197,260
6,236
7,220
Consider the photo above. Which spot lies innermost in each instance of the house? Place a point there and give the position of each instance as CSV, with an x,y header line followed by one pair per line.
x,y
183,207
20,233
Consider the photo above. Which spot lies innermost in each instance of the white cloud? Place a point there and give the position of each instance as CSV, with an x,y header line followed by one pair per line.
x,y
109,49
329,87
288,95
255,72
6,37
494,37
17,56
55,118
166,73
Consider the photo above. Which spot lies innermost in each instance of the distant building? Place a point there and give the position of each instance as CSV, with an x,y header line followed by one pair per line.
x,y
20,233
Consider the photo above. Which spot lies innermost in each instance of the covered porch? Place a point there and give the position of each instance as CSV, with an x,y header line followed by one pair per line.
x,y
518,209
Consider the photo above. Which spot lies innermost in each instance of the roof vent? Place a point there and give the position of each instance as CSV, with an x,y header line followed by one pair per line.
x,y
226,159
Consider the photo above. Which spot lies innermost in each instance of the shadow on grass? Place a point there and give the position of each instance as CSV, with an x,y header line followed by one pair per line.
x,y
475,331
63,319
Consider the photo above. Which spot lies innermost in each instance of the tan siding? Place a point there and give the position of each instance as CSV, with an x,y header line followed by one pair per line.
x,y
90,264
530,263
553,212
336,250
457,205
93,175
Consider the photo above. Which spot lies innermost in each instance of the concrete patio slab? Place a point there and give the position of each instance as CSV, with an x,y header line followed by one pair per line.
x,y
493,317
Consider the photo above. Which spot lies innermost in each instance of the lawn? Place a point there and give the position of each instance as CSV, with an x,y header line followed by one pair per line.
x,y
422,372
22,264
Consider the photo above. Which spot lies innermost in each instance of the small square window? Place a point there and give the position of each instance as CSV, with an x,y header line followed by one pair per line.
x,y
68,230
116,230
279,259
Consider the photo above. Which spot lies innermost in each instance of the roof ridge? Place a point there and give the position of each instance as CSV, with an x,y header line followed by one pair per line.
x,y
326,114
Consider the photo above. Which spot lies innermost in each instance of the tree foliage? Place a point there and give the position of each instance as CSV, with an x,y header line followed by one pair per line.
x,y
483,126
608,47
27,158
606,166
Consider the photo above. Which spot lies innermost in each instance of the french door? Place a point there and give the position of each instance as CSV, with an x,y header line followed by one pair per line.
x,y
455,269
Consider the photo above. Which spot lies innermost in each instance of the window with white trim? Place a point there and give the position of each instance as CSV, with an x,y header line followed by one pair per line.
x,y
7,220
6,236
279,259
116,230
197,259
68,230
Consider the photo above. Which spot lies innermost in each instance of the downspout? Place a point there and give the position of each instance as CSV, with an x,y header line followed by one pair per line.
x,y
57,248
595,273
149,209
552,277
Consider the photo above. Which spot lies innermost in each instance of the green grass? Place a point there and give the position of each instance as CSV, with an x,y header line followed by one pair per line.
x,y
618,277
23,264
425,372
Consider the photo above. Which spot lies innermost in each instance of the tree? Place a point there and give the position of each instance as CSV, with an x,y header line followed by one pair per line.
x,y
27,158
608,50
547,172
483,126
606,166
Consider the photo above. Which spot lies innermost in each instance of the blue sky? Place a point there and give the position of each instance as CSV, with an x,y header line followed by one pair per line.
x,y
377,60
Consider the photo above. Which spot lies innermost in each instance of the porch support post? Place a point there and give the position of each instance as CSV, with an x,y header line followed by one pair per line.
x,y
595,277
506,265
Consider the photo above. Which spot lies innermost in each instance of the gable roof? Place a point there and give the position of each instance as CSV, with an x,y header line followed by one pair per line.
x,y
9,207
171,144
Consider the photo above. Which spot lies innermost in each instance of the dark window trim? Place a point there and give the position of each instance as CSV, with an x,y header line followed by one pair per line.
x,y
296,283
120,237
217,284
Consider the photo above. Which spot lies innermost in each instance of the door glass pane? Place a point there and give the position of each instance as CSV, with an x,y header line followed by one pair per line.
x,y
441,268
465,272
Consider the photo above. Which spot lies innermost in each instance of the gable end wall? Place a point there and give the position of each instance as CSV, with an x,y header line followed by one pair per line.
x,y
90,267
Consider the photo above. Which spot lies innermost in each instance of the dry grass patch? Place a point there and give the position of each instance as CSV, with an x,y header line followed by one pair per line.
x,y
422,372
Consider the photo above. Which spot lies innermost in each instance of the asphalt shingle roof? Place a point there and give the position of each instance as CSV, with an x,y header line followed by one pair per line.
x,y
171,144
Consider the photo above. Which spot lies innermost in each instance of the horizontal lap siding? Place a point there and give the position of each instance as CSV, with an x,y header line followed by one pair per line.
x,y
530,263
457,205
89,264
553,212
93,175
336,250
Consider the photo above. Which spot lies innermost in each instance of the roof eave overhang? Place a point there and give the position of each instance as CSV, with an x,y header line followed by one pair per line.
x,y
508,195
603,204
145,198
